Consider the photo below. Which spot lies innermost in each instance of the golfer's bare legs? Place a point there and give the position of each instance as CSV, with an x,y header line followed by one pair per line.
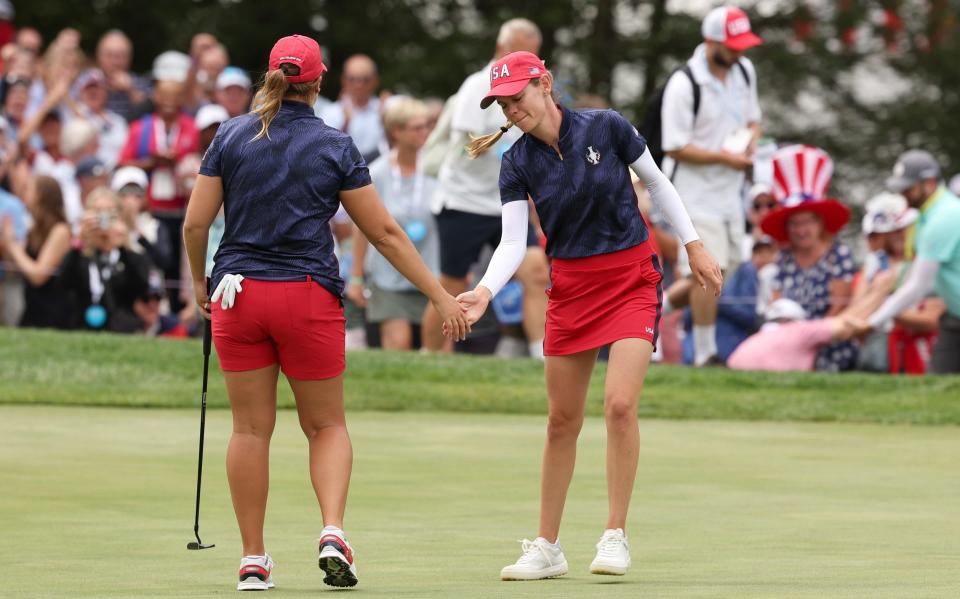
x,y
253,398
320,408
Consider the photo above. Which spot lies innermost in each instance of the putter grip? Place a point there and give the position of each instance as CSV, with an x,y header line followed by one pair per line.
x,y
206,337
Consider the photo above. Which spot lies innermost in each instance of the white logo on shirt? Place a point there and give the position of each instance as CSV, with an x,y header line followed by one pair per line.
x,y
593,156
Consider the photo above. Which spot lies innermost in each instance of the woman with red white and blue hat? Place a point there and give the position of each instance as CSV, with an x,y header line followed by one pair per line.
x,y
814,269
605,284
280,174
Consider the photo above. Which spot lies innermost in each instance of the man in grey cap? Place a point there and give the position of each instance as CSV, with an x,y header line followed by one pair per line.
x,y
916,176
936,246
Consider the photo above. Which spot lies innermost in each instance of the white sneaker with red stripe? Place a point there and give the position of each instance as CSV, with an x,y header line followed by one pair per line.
x,y
336,558
255,573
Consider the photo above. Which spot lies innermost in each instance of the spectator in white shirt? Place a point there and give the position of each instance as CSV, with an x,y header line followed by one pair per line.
x,y
357,112
708,150
467,202
91,92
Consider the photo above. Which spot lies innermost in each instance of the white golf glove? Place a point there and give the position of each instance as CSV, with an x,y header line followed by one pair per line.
x,y
228,288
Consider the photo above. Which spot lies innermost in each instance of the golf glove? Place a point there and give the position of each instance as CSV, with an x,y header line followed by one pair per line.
x,y
228,289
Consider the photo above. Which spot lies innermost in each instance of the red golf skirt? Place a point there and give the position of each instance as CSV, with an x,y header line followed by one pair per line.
x,y
298,324
601,299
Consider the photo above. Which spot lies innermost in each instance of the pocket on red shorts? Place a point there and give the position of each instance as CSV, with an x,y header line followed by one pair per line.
x,y
310,305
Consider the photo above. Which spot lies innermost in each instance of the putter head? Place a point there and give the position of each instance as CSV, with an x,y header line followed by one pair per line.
x,y
193,546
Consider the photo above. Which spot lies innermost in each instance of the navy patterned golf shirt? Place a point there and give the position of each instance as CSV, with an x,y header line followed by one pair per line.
x,y
279,194
585,201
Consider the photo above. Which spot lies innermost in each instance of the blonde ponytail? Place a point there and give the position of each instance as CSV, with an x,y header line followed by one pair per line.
x,y
273,89
267,101
479,145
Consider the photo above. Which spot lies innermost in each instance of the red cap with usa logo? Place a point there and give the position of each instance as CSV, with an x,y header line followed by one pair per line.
x,y
731,27
511,73
301,51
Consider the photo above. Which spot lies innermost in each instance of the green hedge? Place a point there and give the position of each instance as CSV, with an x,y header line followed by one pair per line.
x,y
44,367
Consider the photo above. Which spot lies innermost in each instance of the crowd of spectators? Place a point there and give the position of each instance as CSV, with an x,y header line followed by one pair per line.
x,y
97,164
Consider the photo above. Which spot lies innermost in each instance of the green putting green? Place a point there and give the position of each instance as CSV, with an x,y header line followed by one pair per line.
x,y
98,502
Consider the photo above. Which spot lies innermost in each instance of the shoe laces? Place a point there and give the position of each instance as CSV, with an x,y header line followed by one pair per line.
x,y
611,542
532,550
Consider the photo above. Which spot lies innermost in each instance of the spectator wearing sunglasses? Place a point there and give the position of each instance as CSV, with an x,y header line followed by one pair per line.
x,y
761,202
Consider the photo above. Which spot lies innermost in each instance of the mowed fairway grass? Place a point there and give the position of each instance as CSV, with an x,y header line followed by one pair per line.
x,y
98,502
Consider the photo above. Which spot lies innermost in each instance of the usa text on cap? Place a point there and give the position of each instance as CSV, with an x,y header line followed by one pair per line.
x,y
731,27
511,73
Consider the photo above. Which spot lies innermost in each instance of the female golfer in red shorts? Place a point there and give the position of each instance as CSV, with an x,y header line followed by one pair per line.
x,y
281,174
605,284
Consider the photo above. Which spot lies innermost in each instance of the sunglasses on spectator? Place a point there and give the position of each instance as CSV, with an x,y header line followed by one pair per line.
x,y
764,205
359,78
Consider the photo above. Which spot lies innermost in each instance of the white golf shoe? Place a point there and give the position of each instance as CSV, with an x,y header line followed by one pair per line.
x,y
336,558
541,559
255,573
613,554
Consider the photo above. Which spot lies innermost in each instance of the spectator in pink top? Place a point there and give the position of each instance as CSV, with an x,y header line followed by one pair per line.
x,y
789,342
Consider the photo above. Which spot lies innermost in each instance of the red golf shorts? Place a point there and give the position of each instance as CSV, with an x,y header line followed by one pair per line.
x,y
298,324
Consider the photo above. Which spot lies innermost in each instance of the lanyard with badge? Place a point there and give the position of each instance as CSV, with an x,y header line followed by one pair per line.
x,y
163,185
96,315
415,228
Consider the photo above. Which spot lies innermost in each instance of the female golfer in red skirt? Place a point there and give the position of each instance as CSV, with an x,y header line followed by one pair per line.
x,y
605,284
281,174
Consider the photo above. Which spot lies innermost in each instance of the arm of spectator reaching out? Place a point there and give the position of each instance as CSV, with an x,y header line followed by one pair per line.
x,y
56,95
919,283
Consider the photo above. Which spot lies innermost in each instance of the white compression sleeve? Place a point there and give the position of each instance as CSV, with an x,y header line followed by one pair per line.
x,y
509,254
919,283
665,195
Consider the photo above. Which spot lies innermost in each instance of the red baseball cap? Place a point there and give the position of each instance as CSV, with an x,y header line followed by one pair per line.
x,y
511,73
299,50
730,26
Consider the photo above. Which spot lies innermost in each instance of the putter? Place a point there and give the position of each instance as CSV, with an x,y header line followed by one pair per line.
x,y
203,418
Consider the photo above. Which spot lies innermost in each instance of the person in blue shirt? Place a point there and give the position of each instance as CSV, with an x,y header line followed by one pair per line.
x,y
737,316
605,284
280,174
13,217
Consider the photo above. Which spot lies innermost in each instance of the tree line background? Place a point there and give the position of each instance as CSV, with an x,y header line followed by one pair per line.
x,y
864,79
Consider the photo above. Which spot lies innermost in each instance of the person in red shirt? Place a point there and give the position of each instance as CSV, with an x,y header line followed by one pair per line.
x,y
156,143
